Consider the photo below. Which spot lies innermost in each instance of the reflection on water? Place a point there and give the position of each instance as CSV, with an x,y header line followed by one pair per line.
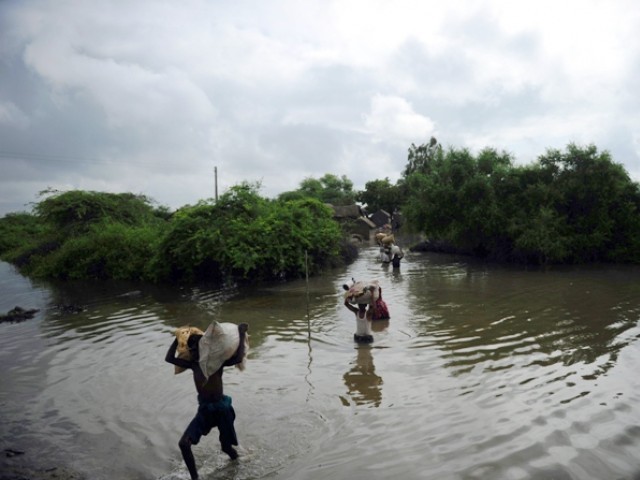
x,y
483,371
363,385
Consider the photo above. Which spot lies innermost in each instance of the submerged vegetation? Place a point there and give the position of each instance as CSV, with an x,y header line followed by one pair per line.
x,y
571,206
247,236
94,235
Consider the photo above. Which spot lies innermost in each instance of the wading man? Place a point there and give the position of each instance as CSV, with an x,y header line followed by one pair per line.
x,y
364,315
214,407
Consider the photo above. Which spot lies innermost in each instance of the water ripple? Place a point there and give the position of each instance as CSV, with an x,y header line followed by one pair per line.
x,y
482,372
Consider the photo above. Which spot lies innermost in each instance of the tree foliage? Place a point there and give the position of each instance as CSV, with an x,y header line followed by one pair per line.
x,y
19,229
108,250
423,157
454,200
381,195
248,236
575,205
76,211
82,235
328,189
92,235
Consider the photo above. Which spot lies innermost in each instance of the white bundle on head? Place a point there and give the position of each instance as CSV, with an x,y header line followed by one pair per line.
x,y
363,292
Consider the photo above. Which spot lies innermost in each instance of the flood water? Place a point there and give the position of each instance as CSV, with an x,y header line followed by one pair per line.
x,y
483,372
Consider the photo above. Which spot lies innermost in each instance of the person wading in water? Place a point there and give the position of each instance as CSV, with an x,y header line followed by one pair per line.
x,y
364,315
215,408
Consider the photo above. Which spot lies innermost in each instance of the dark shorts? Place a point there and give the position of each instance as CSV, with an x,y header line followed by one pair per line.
x,y
214,414
362,338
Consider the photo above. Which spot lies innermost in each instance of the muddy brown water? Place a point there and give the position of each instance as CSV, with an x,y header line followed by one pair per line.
x,y
483,372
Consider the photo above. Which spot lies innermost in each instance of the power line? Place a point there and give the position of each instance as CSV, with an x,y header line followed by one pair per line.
x,y
44,157
8,155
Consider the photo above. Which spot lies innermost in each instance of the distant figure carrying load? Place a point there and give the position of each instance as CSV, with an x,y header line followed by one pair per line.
x,y
206,354
389,251
365,294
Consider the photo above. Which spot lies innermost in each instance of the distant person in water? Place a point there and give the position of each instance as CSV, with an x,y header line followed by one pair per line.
x,y
364,315
215,408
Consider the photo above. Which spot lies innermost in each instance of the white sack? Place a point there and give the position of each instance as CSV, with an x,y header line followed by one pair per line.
x,y
218,344
363,292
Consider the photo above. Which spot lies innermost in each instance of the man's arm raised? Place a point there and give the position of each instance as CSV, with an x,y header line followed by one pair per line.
x,y
171,357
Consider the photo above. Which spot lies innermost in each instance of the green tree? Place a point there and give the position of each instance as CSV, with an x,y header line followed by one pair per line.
x,y
453,201
422,158
328,189
76,210
249,237
381,194
107,250
18,229
90,235
596,198
575,205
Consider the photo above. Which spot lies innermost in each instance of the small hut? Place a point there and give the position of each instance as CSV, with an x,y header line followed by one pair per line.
x,y
352,217
380,218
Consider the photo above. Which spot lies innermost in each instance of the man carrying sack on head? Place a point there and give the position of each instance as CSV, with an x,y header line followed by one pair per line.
x,y
206,354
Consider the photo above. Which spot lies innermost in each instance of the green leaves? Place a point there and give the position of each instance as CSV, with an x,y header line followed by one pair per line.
x,y
76,211
91,235
328,189
381,195
570,206
249,237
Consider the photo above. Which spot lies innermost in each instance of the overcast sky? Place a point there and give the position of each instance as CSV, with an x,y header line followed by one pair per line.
x,y
149,96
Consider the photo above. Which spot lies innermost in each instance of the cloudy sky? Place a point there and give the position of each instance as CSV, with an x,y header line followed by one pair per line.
x,y
149,96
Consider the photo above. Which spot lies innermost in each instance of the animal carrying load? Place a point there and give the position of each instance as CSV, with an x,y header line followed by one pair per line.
x,y
362,292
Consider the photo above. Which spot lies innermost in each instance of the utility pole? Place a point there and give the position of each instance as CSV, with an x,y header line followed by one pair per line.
x,y
215,175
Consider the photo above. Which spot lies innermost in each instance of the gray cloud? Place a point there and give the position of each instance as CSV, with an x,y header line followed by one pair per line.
x,y
149,97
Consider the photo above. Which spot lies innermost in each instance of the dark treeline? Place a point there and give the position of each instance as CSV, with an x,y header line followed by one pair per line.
x,y
94,235
571,206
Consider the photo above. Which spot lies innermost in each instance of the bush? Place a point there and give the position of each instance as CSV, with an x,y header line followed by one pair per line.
x,y
249,238
75,211
568,207
107,251
17,230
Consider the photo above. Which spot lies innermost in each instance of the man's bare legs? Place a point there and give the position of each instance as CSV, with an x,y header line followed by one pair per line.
x,y
229,450
189,460
187,455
